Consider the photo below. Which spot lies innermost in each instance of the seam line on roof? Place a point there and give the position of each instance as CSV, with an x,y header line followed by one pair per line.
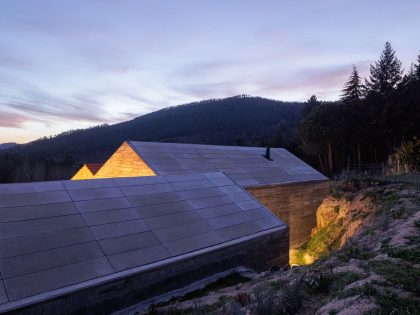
x,y
55,267
4,287
40,218
46,250
113,222
44,233
145,222
94,237
35,192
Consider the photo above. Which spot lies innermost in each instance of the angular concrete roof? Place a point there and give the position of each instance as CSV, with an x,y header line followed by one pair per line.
x,y
58,235
245,165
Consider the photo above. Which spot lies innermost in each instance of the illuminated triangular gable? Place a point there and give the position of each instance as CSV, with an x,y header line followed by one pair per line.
x,y
83,173
125,162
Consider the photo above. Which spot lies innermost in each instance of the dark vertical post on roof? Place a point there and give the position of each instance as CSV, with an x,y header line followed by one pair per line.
x,y
267,153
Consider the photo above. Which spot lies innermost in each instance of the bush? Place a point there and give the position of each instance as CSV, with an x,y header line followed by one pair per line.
x,y
409,153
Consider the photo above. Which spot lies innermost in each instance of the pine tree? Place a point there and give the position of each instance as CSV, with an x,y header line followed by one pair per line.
x,y
310,104
386,73
417,68
352,91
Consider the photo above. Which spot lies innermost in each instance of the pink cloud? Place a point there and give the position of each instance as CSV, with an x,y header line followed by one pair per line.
x,y
12,120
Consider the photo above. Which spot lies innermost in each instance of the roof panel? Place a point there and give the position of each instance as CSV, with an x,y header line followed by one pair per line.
x,y
37,211
94,193
29,263
154,199
3,296
238,230
55,278
127,243
102,204
182,231
110,216
138,257
164,208
22,188
83,184
44,241
189,244
116,229
30,227
35,198
146,189
162,221
228,220
176,158
49,241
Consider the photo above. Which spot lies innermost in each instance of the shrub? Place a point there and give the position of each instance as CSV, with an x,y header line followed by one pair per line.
x,y
409,153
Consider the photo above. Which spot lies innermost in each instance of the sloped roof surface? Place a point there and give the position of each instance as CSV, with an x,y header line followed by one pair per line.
x,y
245,165
63,233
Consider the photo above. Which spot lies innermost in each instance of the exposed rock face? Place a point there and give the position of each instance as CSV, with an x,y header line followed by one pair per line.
x,y
337,220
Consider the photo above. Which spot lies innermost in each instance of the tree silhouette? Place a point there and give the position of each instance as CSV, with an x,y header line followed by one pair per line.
x,y
386,73
352,91
323,129
310,104
282,135
417,68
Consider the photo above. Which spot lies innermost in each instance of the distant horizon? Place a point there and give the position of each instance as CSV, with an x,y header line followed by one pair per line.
x,y
169,106
66,66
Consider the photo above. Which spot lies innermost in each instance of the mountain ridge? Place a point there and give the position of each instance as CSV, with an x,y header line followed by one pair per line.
x,y
236,120
7,145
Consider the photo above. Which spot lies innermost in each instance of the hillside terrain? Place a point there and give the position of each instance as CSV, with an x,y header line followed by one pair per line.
x,y
8,145
237,120
365,255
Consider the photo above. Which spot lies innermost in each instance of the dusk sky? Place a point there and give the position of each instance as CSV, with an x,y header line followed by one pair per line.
x,y
79,63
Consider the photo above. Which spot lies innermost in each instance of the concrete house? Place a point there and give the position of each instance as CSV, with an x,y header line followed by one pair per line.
x,y
153,218
286,185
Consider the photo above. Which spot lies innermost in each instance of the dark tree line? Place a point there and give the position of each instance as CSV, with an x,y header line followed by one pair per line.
x,y
370,120
240,120
15,168
373,117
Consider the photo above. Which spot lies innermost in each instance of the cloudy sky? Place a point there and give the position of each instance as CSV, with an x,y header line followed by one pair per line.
x,y
74,64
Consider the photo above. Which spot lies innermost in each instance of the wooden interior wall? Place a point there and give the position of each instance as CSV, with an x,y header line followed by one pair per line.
x,y
124,163
83,173
295,204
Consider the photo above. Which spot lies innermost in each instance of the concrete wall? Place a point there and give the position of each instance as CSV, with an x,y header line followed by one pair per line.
x,y
295,204
131,289
124,163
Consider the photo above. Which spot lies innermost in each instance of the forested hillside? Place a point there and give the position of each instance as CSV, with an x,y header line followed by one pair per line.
x,y
240,120
8,145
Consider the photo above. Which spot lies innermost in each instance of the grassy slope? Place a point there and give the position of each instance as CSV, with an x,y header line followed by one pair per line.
x,y
367,262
